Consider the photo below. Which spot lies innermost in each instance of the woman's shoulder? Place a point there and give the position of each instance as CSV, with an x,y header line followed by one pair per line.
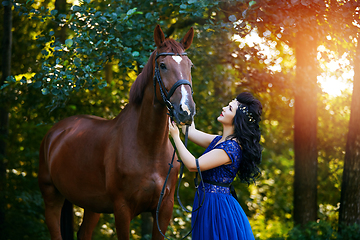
x,y
230,146
216,139
232,149
233,143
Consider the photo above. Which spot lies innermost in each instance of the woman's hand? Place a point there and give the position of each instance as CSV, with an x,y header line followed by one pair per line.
x,y
191,127
173,129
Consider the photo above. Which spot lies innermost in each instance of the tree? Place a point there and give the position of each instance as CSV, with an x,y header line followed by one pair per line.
x,y
346,34
4,114
350,189
305,128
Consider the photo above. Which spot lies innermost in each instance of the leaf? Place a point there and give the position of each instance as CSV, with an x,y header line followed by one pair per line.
x,y
44,91
77,62
10,79
54,12
102,85
77,8
252,3
37,84
55,91
244,13
69,42
135,54
131,11
4,86
232,18
44,52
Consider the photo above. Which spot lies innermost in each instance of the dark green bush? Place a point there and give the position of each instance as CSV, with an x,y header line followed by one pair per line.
x,y
324,231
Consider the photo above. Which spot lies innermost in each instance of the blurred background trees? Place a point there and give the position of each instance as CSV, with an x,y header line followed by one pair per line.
x,y
70,57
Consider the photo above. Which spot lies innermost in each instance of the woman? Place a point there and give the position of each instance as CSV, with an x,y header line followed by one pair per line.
x,y
237,151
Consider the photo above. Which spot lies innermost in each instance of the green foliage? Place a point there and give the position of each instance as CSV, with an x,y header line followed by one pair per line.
x,y
97,38
313,230
323,231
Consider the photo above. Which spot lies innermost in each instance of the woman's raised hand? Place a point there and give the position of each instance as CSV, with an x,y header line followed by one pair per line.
x,y
173,129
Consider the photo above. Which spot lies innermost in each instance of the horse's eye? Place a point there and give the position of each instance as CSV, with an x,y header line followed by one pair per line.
x,y
162,65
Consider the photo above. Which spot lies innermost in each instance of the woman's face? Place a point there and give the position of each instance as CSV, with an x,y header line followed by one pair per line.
x,y
228,113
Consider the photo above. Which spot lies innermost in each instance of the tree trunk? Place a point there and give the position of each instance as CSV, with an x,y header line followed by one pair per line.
x,y
305,124
349,212
4,115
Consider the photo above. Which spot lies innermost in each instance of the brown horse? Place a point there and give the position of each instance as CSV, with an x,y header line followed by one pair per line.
x,y
119,166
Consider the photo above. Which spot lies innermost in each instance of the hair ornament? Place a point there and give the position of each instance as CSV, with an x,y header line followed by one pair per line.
x,y
245,110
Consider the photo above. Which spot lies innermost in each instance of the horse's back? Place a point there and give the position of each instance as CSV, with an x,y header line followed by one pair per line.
x,y
72,159
74,132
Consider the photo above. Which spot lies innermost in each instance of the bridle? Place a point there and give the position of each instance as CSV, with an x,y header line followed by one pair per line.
x,y
166,95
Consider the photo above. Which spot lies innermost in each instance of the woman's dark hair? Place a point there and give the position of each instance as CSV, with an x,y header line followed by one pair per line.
x,y
247,132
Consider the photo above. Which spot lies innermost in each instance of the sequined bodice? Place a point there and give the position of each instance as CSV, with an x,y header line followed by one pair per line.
x,y
223,173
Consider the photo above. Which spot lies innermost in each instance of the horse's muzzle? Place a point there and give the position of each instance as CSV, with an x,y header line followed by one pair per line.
x,y
183,115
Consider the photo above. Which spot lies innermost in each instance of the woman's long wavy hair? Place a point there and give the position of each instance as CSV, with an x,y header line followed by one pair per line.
x,y
247,132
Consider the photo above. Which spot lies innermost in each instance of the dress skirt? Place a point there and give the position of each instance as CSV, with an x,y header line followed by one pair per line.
x,y
220,218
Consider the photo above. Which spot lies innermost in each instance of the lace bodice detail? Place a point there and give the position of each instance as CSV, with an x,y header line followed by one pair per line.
x,y
223,173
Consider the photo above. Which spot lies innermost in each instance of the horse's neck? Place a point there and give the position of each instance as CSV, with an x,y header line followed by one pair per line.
x,y
153,115
150,121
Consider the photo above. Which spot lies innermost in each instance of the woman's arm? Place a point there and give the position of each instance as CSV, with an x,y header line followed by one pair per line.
x,y
198,137
212,159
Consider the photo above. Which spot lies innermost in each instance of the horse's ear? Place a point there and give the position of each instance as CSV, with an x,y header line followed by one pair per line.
x,y
159,36
188,38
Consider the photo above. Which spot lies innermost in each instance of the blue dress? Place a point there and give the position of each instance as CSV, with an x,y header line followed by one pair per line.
x,y
221,216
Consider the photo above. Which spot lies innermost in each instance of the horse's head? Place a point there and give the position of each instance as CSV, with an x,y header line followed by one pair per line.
x,y
173,76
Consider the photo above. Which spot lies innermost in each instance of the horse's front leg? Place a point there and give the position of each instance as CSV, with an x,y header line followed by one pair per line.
x,y
88,224
122,215
164,217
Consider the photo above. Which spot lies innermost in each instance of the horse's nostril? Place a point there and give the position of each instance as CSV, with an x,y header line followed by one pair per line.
x,y
185,109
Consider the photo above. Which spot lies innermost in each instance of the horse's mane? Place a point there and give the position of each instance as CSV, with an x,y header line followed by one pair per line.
x,y
138,87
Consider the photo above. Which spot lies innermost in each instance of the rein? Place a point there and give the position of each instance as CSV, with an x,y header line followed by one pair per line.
x,y
178,197
166,95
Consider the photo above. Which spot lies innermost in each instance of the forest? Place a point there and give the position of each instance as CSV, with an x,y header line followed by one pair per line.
x,y
300,58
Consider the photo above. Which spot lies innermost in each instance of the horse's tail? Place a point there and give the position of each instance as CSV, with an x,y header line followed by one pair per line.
x,y
67,221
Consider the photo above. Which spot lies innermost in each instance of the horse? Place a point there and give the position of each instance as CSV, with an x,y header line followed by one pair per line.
x,y
119,166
